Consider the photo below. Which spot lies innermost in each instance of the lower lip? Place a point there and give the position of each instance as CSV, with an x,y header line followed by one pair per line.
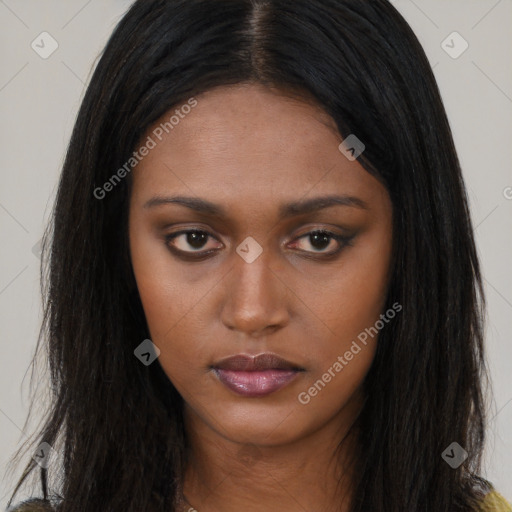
x,y
257,383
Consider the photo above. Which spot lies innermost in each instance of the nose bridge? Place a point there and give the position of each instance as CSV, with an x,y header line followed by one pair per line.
x,y
255,296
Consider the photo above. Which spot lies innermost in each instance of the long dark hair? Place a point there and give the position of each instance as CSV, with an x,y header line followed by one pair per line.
x,y
117,424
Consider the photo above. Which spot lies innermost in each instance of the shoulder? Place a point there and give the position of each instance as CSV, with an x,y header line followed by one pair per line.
x,y
33,506
495,502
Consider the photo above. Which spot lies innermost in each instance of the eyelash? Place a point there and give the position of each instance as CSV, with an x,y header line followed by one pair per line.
x,y
196,255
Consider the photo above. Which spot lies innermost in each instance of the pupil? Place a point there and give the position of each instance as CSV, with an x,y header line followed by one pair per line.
x,y
196,239
319,239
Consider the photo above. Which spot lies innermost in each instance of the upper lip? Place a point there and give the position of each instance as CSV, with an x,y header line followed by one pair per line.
x,y
265,361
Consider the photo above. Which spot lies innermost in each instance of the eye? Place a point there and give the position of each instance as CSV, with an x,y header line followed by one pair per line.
x,y
186,239
320,240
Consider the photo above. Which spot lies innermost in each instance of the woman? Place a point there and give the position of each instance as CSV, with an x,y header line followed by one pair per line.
x,y
264,292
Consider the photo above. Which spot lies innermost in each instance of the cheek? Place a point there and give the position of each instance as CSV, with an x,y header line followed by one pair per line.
x,y
173,303
158,288
163,311
160,282
348,297
349,309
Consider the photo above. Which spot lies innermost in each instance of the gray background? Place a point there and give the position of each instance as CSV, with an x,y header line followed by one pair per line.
x,y
39,99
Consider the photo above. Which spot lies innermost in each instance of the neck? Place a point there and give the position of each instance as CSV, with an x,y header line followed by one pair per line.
x,y
310,473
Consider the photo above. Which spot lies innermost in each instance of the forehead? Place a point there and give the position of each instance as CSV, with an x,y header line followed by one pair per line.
x,y
248,142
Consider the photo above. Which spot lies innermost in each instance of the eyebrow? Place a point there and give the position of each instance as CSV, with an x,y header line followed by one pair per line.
x,y
286,210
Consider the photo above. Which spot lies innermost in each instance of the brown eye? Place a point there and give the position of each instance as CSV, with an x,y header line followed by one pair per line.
x,y
189,241
320,240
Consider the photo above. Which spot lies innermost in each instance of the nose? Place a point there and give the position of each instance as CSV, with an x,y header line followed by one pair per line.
x,y
255,297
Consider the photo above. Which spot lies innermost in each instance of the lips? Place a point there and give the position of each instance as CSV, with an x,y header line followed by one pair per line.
x,y
257,376
247,363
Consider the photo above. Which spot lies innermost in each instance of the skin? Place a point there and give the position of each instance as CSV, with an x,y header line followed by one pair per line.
x,y
250,149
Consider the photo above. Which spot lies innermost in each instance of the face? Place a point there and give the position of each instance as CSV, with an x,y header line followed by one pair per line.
x,y
257,265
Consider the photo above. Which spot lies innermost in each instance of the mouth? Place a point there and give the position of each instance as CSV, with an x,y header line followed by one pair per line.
x,y
255,376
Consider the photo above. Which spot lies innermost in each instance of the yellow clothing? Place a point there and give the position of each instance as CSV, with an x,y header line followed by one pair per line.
x,y
495,502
